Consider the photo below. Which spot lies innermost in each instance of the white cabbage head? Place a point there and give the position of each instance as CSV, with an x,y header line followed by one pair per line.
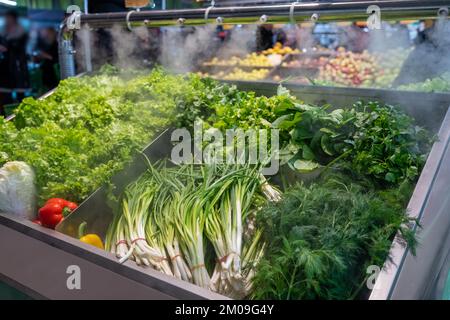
x,y
17,190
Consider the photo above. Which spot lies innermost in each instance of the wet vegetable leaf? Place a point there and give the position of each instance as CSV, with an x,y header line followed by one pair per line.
x,y
305,166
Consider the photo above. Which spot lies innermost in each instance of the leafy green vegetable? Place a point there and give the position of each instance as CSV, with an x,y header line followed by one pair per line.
x,y
84,133
224,107
387,144
322,237
373,139
438,84
305,165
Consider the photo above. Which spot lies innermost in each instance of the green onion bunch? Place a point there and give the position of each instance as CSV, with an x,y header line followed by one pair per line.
x,y
196,223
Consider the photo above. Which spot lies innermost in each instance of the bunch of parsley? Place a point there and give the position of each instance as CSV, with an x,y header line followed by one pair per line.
x,y
374,139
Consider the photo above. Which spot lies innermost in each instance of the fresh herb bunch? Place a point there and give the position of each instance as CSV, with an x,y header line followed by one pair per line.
x,y
322,237
387,145
372,138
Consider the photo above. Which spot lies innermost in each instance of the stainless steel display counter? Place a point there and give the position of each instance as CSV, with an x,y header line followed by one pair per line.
x,y
43,263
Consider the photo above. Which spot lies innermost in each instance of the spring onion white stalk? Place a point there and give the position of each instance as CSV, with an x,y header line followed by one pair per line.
x,y
164,219
169,215
232,198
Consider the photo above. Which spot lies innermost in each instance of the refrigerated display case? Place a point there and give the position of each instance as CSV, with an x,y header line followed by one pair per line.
x,y
46,256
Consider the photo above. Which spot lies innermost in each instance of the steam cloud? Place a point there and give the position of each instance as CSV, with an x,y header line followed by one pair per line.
x,y
180,49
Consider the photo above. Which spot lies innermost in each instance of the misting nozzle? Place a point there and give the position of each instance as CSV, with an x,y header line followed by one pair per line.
x,y
263,18
443,12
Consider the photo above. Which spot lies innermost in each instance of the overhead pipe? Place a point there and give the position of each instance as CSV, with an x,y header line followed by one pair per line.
x,y
282,13
295,12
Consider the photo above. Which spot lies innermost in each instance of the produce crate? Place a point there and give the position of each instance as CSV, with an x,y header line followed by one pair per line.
x,y
417,276
216,68
49,252
213,71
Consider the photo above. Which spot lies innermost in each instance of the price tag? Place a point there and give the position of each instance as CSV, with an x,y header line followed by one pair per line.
x,y
136,3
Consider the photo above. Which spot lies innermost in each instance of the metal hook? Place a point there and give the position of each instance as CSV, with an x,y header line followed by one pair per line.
x,y
128,19
219,20
207,12
209,9
291,12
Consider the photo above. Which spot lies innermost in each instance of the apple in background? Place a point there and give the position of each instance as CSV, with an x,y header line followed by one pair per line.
x,y
349,68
